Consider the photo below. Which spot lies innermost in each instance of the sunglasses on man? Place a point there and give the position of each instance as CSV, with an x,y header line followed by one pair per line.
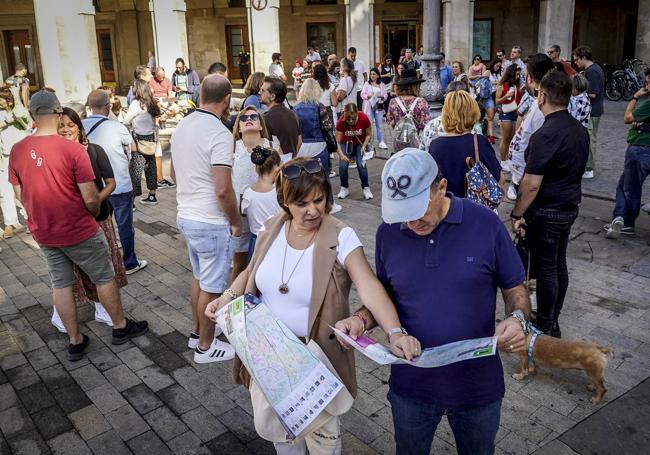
x,y
293,171
249,117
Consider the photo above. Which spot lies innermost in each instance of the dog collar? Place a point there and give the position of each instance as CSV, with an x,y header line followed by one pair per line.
x,y
531,345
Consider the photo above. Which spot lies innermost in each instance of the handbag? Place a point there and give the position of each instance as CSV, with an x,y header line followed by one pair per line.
x,y
267,423
326,121
147,147
481,186
511,106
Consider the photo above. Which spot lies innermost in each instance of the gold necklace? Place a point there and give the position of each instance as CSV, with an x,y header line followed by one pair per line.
x,y
284,285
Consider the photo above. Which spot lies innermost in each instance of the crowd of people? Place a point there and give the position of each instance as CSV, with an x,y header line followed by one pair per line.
x,y
255,199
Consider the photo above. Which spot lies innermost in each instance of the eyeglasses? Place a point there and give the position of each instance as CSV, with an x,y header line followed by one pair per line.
x,y
249,117
550,52
293,171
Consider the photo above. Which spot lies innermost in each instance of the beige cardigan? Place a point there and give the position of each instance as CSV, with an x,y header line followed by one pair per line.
x,y
329,296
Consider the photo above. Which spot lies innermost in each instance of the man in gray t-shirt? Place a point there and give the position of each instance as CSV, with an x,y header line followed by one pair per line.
x,y
596,77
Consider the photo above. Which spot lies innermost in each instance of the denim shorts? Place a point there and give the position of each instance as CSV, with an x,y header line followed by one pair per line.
x,y
92,256
240,244
489,103
211,248
508,117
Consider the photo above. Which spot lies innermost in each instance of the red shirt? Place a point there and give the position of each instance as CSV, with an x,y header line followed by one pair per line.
x,y
48,169
356,133
160,89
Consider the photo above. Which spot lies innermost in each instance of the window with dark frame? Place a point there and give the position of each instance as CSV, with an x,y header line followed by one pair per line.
x,y
322,36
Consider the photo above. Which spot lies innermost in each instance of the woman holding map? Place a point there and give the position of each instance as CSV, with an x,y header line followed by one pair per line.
x,y
304,263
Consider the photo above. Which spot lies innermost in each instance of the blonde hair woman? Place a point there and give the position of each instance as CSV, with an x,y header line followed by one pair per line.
x,y
311,127
248,132
459,115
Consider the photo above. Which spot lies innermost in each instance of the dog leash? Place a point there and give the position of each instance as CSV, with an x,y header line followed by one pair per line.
x,y
531,345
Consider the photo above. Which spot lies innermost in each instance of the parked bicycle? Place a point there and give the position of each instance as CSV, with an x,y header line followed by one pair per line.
x,y
625,80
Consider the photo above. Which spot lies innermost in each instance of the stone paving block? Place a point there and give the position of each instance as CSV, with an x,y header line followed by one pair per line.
x,y
361,426
142,398
127,422
36,397
240,423
88,377
29,342
14,421
71,398
228,443
104,359
22,376
366,404
63,358
122,377
148,443
28,444
203,424
106,398
385,444
176,341
3,377
167,360
134,358
108,443
516,444
35,313
188,444
12,361
178,399
51,422
41,358
261,446
165,423
89,422
8,397
24,301
69,443
55,377
383,418
155,378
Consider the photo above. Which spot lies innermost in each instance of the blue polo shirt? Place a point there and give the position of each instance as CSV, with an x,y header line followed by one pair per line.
x,y
444,286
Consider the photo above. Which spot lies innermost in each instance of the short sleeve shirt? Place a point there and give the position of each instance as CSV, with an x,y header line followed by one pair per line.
x,y
49,170
596,78
200,142
457,268
283,123
641,113
558,151
275,70
356,133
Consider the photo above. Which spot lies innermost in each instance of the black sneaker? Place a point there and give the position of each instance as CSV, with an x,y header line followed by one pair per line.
x,y
555,331
149,200
132,329
76,351
164,183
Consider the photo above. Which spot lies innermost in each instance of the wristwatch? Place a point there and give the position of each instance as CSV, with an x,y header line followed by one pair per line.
x,y
635,98
519,316
392,332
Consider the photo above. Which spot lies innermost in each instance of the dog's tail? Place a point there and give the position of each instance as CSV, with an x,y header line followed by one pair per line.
x,y
606,350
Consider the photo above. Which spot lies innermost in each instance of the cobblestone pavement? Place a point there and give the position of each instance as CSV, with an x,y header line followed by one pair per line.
x,y
148,397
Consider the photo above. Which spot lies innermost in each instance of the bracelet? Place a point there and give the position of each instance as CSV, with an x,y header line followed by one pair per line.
x,y
635,98
515,217
363,321
229,292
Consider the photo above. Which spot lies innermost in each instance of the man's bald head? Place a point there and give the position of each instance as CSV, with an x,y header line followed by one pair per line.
x,y
215,89
98,101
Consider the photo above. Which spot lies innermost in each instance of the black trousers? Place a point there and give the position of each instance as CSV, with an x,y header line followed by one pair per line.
x,y
548,237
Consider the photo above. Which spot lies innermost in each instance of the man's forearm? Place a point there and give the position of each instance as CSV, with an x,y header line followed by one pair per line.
x,y
525,196
366,316
92,207
517,299
228,204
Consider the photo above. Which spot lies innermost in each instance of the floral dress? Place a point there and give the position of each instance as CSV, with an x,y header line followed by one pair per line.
x,y
421,112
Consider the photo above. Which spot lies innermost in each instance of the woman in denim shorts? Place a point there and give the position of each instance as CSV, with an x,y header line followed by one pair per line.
x,y
508,89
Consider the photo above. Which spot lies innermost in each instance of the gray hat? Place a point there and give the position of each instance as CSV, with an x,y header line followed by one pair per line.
x,y
44,102
405,183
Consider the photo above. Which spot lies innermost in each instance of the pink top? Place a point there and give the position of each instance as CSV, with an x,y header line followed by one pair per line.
x,y
366,94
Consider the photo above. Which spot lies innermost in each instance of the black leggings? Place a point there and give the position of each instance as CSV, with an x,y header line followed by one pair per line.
x,y
146,163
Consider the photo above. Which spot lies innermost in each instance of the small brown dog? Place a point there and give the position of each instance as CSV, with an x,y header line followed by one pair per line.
x,y
552,352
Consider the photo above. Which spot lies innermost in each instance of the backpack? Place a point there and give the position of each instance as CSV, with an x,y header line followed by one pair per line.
x,y
406,133
484,88
481,187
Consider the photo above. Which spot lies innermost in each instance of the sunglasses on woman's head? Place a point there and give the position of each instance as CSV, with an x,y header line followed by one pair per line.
x,y
249,117
293,171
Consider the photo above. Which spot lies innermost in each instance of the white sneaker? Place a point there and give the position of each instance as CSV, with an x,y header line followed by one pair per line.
x,y
141,265
367,194
218,352
332,174
511,194
613,230
193,340
336,208
382,145
57,322
353,165
343,193
101,315
588,175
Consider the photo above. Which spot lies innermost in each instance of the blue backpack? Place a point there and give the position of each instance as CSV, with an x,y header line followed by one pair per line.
x,y
481,187
483,88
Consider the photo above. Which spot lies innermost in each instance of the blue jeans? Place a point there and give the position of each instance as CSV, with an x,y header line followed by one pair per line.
x,y
628,191
377,116
356,154
415,424
123,210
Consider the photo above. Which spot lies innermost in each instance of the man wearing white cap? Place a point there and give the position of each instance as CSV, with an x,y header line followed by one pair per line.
x,y
441,259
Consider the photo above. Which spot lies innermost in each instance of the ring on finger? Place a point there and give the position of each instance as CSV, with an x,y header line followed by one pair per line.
x,y
511,347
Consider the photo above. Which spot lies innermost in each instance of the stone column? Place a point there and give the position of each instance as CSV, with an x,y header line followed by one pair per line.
x,y
264,30
556,26
459,28
431,89
642,49
360,30
169,33
68,47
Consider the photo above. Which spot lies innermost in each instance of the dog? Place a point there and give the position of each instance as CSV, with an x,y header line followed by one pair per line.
x,y
550,352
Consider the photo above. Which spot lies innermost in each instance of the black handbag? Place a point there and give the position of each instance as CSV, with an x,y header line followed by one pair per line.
x,y
326,121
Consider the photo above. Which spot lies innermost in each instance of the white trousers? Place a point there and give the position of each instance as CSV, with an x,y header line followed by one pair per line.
x,y
7,198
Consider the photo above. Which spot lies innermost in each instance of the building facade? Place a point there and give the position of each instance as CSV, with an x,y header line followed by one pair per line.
x,y
76,45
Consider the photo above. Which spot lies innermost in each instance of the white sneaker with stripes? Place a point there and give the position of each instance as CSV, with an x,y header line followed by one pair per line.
x,y
218,352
